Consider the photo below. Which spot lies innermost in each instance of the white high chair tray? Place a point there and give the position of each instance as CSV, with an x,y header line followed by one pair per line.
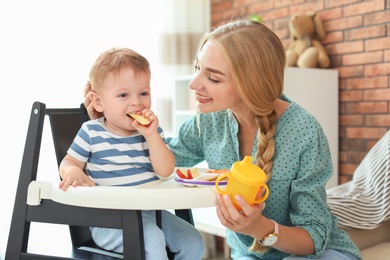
x,y
160,194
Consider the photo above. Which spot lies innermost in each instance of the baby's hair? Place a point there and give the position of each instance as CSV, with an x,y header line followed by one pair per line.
x,y
113,61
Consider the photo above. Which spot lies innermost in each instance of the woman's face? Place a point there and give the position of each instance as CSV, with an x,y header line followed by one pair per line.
x,y
213,83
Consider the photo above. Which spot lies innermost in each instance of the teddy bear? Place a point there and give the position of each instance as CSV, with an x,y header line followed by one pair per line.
x,y
305,49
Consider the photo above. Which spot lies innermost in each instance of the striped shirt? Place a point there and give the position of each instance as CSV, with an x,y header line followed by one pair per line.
x,y
113,160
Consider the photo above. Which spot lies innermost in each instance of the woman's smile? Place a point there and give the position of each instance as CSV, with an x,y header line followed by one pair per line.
x,y
202,99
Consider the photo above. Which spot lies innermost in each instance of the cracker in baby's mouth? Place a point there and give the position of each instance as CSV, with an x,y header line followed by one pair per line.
x,y
142,120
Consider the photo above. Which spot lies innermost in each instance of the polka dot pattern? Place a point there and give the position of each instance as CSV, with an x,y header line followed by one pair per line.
x,y
302,166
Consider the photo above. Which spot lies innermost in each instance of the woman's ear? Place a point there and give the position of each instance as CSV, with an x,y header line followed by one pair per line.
x,y
96,101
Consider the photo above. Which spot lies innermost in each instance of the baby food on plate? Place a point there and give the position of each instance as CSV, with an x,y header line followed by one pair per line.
x,y
190,173
220,171
198,176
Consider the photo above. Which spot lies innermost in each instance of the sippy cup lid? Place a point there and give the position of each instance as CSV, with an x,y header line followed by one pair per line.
x,y
247,172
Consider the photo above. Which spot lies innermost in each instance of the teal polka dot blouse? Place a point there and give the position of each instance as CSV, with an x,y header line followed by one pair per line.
x,y
302,166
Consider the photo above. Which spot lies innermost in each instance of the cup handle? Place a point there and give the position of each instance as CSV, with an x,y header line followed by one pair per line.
x,y
265,196
220,177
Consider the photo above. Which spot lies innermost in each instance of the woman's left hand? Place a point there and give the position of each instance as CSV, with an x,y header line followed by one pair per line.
x,y
92,113
246,221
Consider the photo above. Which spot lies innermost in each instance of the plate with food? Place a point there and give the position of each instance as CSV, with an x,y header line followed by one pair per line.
x,y
198,176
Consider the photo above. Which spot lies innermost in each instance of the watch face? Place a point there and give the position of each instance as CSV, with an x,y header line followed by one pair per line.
x,y
270,240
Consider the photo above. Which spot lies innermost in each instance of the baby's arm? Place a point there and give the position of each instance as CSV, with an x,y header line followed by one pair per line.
x,y
72,173
162,158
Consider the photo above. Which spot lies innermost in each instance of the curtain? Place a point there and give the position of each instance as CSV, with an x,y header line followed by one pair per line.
x,y
181,27
184,22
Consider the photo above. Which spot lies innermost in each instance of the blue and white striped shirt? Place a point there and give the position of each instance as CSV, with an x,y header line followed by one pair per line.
x,y
113,160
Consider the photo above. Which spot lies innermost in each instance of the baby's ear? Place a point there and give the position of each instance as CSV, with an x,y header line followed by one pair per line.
x,y
96,101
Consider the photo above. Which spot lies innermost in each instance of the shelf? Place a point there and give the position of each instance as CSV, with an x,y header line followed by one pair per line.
x,y
183,104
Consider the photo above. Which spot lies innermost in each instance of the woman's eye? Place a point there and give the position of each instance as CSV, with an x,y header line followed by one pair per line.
x,y
211,79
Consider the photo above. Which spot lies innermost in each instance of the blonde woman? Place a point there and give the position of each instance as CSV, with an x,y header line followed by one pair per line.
x,y
243,112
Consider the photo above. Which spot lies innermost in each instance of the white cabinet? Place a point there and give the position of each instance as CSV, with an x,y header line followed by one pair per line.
x,y
183,103
314,89
317,90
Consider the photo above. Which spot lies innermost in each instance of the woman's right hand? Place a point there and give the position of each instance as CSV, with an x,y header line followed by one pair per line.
x,y
248,221
93,114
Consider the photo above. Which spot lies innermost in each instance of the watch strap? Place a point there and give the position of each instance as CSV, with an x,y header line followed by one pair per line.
x,y
276,228
275,233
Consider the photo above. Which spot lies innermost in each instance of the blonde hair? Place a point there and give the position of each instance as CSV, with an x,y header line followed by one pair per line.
x,y
113,61
256,58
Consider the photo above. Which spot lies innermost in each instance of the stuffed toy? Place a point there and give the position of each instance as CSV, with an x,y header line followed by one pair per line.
x,y
305,49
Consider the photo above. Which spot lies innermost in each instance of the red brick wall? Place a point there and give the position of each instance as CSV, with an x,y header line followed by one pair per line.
x,y
358,43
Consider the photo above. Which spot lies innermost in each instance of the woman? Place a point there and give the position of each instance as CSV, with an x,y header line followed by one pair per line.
x,y
243,112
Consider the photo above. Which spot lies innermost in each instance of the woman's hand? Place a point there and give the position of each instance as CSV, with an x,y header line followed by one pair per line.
x,y
93,114
248,221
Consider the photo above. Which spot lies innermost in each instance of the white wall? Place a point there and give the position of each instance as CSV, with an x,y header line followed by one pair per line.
x,y
46,50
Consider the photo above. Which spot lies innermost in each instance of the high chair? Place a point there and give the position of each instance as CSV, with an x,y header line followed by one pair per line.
x,y
31,205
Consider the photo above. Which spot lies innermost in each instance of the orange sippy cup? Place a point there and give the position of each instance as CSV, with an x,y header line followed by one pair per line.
x,y
245,179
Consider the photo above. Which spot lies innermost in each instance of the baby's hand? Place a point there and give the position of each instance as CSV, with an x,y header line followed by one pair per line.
x,y
65,184
149,123
140,119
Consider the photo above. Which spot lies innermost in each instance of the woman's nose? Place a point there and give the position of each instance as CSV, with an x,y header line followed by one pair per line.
x,y
195,83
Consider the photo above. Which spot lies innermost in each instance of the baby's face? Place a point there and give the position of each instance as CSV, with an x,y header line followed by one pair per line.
x,y
121,94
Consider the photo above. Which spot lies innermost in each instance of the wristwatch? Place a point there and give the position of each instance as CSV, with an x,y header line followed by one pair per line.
x,y
272,238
